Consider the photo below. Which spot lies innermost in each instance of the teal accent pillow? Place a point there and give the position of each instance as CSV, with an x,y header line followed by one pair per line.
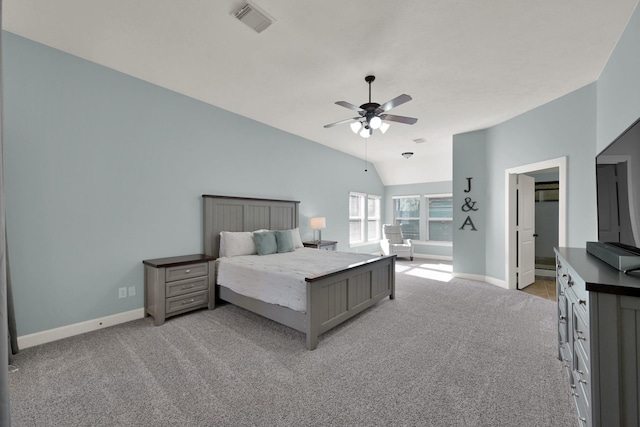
x,y
265,242
284,239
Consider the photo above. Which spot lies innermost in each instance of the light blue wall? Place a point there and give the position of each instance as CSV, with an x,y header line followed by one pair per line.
x,y
578,125
619,86
563,127
104,170
441,187
470,161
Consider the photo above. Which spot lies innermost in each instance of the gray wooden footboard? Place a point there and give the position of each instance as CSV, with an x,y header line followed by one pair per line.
x,y
335,297
332,298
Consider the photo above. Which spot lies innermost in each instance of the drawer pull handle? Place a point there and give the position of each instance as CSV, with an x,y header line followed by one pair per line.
x,y
573,393
583,419
582,301
582,381
187,286
580,372
582,338
188,301
187,271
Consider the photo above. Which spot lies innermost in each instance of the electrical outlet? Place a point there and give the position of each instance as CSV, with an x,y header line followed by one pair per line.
x,y
132,291
122,292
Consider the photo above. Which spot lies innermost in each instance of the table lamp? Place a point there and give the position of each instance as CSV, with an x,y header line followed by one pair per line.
x,y
318,224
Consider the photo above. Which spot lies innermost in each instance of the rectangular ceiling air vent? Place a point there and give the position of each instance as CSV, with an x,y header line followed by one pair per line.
x,y
254,17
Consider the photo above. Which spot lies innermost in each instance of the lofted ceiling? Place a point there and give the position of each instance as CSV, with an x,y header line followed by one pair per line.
x,y
468,64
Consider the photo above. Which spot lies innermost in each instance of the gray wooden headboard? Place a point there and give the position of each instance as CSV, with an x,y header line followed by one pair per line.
x,y
224,213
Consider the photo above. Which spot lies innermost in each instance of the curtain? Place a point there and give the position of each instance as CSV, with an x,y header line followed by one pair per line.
x,y
7,346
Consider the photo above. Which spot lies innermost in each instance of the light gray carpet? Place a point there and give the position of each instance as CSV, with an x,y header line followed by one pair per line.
x,y
461,353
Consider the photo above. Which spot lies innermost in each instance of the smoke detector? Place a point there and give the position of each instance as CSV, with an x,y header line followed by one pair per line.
x,y
254,17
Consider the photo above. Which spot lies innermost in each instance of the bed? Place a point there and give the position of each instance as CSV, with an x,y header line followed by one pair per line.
x,y
332,297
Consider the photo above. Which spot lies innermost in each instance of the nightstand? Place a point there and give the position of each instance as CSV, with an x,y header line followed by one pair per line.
x,y
327,245
176,285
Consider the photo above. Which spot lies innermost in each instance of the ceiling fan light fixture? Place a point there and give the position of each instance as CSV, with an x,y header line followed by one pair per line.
x,y
365,132
355,127
384,127
375,122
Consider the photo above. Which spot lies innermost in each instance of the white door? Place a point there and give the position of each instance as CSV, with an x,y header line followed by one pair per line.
x,y
526,231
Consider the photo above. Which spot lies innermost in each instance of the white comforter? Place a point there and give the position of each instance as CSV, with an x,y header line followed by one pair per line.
x,y
279,278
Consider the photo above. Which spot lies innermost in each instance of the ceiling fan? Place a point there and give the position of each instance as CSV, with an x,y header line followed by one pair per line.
x,y
372,114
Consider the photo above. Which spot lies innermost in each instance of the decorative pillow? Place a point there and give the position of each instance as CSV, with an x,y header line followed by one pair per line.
x,y
235,243
284,240
266,242
297,241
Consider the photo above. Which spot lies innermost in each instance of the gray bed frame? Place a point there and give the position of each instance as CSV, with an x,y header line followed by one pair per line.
x,y
332,298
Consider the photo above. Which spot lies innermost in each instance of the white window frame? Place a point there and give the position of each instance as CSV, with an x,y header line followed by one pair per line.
x,y
366,240
428,197
378,220
418,218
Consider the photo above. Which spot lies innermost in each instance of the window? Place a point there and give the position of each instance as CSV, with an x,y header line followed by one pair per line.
x,y
406,214
356,218
440,218
373,218
364,218
425,218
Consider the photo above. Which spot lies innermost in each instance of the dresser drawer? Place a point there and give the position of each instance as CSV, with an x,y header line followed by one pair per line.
x,y
186,271
185,302
582,384
181,287
581,334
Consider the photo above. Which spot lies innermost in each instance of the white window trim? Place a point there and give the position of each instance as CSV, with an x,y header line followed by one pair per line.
x,y
365,219
413,218
378,220
426,200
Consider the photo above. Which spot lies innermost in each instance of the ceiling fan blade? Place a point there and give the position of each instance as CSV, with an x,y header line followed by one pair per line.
x,y
341,122
398,100
348,105
399,119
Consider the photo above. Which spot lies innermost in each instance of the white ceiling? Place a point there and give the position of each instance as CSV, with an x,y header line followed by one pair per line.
x,y
468,64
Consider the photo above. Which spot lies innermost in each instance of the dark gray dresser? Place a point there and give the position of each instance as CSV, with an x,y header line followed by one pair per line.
x,y
598,337
176,285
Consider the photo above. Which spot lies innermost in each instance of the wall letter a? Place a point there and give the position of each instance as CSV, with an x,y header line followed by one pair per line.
x,y
469,223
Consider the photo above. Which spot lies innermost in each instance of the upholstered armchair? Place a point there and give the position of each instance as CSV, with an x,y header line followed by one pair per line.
x,y
393,242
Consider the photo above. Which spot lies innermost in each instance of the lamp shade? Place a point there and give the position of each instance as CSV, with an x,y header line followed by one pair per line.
x,y
318,223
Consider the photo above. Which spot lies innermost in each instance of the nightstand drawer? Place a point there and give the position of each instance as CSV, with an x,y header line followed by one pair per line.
x,y
185,302
182,287
186,272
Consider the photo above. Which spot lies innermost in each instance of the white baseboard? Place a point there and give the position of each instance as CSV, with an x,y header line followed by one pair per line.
x,y
50,335
491,280
436,257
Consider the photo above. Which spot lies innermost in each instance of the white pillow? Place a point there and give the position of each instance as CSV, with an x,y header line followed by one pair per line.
x,y
235,243
297,241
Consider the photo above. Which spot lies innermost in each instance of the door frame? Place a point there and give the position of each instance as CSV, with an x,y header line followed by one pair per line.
x,y
511,185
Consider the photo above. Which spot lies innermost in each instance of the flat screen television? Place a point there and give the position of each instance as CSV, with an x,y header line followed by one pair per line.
x,y
618,191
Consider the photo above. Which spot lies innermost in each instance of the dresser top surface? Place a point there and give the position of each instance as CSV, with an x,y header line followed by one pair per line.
x,y
600,276
177,260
